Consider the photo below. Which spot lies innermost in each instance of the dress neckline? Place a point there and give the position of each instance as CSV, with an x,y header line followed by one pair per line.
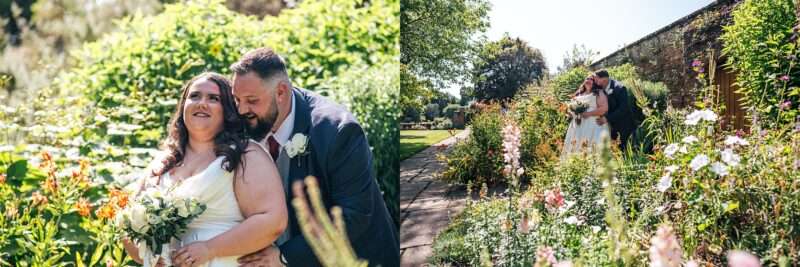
x,y
172,183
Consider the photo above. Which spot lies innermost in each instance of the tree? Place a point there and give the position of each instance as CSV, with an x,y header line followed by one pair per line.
x,y
438,37
413,91
578,57
505,66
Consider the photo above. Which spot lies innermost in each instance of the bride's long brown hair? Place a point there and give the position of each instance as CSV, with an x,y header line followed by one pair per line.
x,y
595,88
230,142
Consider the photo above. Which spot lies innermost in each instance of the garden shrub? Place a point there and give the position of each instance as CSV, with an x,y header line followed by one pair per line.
x,y
479,158
566,83
762,49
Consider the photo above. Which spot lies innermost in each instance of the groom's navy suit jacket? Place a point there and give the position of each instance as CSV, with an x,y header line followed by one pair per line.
x,y
623,115
340,157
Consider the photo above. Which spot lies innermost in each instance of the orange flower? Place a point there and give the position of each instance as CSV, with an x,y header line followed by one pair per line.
x,y
38,199
84,165
2,178
51,185
78,177
119,197
83,207
106,212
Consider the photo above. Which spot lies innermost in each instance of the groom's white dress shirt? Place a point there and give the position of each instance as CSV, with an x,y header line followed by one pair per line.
x,y
283,134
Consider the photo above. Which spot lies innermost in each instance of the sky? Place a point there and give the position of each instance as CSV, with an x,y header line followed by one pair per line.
x,y
554,26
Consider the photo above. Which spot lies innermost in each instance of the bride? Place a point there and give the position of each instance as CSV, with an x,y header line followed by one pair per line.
x,y
585,135
207,158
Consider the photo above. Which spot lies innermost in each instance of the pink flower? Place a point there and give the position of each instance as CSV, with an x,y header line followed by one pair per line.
x,y
664,248
786,105
545,257
738,258
511,142
784,78
553,198
696,63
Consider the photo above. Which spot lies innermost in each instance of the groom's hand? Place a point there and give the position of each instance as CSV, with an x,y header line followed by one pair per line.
x,y
269,257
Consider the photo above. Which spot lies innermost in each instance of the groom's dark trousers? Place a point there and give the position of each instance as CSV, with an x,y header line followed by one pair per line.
x,y
340,157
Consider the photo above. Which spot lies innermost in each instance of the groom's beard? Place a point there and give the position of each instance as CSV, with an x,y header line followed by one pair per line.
x,y
260,130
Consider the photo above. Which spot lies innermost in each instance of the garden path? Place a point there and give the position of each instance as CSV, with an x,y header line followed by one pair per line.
x,y
426,203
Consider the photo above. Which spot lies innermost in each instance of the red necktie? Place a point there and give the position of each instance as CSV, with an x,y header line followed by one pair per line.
x,y
273,147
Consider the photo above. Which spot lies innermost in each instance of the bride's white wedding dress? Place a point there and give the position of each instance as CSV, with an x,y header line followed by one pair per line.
x,y
213,187
586,136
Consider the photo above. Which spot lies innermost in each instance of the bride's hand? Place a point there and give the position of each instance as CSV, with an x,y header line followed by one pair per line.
x,y
193,254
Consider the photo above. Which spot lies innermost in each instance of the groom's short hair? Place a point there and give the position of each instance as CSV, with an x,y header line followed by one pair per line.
x,y
263,61
601,73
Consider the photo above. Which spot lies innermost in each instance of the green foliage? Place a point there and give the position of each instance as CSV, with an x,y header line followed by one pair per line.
x,y
48,214
479,159
438,37
565,84
371,94
413,91
762,48
504,67
322,39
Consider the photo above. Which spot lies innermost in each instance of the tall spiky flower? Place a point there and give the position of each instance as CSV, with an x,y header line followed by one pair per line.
x,y
664,248
511,142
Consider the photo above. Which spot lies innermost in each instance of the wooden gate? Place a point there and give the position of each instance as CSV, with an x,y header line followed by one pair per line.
x,y
734,111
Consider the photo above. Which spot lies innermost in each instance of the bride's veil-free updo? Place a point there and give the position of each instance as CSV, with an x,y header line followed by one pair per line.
x,y
231,142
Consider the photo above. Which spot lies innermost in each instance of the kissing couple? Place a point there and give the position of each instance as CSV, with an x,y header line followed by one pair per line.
x,y
238,145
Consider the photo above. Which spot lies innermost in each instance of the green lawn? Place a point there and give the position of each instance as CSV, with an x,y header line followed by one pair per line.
x,y
413,141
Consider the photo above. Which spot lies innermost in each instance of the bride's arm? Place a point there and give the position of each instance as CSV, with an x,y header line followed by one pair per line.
x,y
602,107
259,192
132,250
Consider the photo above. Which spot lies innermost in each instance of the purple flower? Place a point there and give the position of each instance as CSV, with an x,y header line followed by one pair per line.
x,y
785,78
696,63
701,70
786,105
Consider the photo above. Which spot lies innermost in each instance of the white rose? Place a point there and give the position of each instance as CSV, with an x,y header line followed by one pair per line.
x,y
138,218
183,209
300,142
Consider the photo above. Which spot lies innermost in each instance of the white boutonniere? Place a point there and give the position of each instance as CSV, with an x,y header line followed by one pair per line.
x,y
297,146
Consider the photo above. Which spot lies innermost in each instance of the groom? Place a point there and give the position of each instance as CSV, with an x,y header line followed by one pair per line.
x,y
337,154
623,116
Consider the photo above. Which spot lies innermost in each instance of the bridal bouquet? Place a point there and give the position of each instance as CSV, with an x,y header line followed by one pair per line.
x,y
578,107
154,218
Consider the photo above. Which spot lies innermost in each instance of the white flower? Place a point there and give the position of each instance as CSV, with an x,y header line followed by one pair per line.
x,y
699,161
730,158
671,168
183,208
683,149
138,218
670,150
595,229
297,145
660,209
573,220
735,140
719,168
690,139
664,183
697,115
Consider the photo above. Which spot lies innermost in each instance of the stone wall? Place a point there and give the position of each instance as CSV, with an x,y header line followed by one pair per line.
x,y
666,54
